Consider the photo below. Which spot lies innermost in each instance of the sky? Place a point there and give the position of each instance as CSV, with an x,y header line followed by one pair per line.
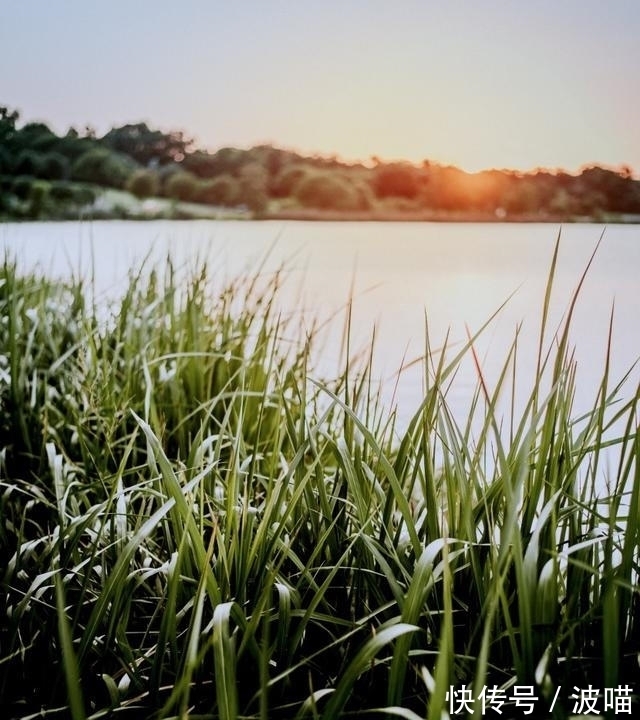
x,y
478,84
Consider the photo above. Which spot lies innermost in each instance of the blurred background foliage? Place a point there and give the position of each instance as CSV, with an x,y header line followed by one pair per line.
x,y
270,181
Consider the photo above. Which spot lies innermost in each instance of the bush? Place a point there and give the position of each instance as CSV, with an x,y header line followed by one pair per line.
x,y
164,172
6,161
253,187
224,161
103,167
325,191
38,197
66,192
222,190
182,186
54,166
44,142
21,186
365,195
84,195
7,197
143,184
28,163
61,191
286,180
73,147
397,180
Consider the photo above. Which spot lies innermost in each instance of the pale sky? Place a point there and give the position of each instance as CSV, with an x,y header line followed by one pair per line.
x,y
479,84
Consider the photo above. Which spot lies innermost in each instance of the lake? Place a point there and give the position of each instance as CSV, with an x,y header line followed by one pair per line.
x,y
455,275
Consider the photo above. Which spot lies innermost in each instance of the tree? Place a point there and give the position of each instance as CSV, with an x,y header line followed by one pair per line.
x,y
226,161
229,160
72,146
21,186
36,136
364,194
164,172
253,187
286,180
271,158
103,167
6,161
621,191
325,191
28,163
222,190
146,145
143,184
201,163
182,186
397,180
55,166
563,203
38,197
8,120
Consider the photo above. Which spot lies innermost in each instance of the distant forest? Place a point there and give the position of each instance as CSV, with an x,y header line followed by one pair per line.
x,y
43,174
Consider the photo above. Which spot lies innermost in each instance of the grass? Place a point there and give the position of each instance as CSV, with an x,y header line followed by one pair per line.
x,y
192,526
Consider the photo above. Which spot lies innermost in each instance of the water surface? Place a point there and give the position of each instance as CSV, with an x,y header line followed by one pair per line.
x,y
400,275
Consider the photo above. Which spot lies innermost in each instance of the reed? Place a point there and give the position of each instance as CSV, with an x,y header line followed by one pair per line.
x,y
193,525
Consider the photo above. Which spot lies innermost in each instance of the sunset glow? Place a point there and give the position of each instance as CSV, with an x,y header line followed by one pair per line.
x,y
493,84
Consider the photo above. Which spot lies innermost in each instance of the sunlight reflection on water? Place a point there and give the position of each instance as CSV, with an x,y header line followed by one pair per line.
x,y
401,276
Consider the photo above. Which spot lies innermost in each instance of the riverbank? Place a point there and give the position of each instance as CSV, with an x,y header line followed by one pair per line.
x,y
306,214
81,201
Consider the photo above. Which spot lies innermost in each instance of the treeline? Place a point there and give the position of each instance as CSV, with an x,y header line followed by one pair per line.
x,y
37,167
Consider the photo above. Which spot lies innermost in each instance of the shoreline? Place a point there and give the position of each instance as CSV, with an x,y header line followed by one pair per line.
x,y
337,216
445,217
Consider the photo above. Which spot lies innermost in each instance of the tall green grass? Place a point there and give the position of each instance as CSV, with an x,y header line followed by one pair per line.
x,y
192,526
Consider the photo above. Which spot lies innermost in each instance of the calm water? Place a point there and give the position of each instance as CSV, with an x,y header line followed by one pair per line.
x,y
456,275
